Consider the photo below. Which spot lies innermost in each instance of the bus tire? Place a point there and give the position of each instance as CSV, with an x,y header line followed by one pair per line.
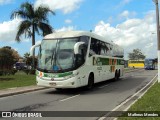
x,y
90,81
116,77
119,74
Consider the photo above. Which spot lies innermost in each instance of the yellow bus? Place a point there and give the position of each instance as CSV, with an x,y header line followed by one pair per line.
x,y
136,63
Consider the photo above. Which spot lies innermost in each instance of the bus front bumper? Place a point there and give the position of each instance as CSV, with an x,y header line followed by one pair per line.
x,y
69,83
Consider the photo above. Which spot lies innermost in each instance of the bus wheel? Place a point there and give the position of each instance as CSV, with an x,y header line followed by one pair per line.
x,y
119,74
90,81
116,77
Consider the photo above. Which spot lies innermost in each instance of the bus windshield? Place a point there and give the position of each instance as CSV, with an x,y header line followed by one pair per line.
x,y
57,54
148,62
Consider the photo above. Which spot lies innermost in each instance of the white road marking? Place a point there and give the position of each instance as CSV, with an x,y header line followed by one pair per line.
x,y
139,97
69,98
102,118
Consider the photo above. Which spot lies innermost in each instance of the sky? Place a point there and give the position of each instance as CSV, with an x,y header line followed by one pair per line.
x,y
128,23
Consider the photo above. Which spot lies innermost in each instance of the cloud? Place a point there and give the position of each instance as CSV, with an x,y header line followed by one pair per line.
x,y
123,3
68,21
132,34
8,30
67,6
126,14
69,28
2,2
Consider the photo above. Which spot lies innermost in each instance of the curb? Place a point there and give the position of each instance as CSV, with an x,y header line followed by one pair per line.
x,y
19,90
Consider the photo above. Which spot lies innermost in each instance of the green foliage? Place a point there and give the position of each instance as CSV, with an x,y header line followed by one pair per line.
x,y
29,61
136,55
8,72
34,20
29,71
6,58
26,71
26,55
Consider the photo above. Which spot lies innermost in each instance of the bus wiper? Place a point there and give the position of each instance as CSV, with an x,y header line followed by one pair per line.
x,y
54,53
52,57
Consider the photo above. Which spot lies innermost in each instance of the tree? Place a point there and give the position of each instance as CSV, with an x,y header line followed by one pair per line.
x,y
15,54
34,20
26,55
8,57
136,55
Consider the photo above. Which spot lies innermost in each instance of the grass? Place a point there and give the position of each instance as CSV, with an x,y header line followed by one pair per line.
x,y
149,102
20,79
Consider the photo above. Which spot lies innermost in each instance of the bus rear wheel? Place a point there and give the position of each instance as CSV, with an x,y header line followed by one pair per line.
x,y
90,81
116,77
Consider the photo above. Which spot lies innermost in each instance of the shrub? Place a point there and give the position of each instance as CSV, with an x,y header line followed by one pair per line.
x,y
30,71
1,72
26,71
8,72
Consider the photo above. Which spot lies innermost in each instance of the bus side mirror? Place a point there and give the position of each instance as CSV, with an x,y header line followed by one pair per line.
x,y
33,47
77,47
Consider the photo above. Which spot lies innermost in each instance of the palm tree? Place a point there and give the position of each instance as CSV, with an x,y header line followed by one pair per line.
x,y
33,20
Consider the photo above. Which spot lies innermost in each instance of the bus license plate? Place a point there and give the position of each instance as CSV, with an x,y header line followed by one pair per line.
x,y
52,84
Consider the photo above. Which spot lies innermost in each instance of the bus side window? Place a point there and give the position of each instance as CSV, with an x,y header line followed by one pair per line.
x,y
94,46
103,48
98,51
111,50
107,48
84,39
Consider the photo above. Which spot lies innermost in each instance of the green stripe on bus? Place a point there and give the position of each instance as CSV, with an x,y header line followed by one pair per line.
x,y
51,75
65,74
107,61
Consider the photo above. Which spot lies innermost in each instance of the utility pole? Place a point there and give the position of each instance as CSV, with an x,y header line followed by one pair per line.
x,y
158,40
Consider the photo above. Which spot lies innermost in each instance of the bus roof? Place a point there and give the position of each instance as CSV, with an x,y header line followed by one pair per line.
x,y
66,34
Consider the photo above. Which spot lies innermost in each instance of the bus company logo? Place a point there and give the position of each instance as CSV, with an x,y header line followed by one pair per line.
x,y
96,61
52,76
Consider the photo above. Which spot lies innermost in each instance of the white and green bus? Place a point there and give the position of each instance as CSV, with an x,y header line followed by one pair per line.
x,y
76,58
